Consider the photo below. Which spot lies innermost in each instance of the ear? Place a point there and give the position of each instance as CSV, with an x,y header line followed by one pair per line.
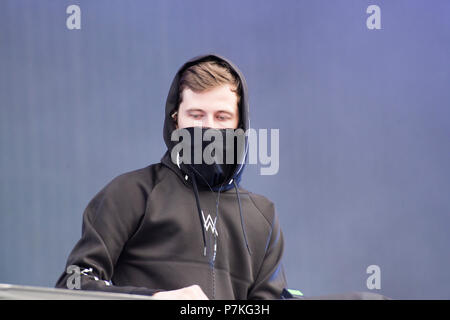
x,y
174,117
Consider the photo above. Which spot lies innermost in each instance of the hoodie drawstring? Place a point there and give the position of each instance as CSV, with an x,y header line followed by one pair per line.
x,y
200,213
242,218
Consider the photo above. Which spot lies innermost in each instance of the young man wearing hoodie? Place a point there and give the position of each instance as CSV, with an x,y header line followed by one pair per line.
x,y
180,229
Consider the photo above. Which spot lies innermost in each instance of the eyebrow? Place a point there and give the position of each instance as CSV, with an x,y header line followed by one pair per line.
x,y
201,110
227,112
194,109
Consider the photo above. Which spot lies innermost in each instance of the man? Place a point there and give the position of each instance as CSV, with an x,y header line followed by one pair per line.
x,y
180,230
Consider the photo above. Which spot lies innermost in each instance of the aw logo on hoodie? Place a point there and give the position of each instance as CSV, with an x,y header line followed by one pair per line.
x,y
209,223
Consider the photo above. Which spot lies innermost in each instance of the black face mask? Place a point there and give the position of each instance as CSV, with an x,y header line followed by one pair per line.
x,y
212,156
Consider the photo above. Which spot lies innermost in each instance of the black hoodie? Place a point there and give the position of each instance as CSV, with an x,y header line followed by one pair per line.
x,y
142,232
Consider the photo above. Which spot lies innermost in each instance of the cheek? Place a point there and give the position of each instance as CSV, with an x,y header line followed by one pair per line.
x,y
184,122
180,122
234,123
231,124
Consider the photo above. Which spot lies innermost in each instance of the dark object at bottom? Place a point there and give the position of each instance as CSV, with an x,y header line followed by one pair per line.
x,y
341,296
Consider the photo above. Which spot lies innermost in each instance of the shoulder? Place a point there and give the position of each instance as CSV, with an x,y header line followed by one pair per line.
x,y
263,205
127,192
139,181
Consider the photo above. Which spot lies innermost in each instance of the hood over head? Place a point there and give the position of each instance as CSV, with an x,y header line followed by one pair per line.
x,y
172,106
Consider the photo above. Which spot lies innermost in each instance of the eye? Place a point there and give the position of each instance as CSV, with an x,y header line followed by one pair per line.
x,y
223,117
196,115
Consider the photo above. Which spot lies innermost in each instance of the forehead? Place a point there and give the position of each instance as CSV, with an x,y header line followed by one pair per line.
x,y
216,99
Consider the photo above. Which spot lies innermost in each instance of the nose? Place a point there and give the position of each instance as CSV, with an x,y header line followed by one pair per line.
x,y
208,121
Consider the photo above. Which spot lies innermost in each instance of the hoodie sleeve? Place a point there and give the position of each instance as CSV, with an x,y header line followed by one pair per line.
x,y
271,279
109,220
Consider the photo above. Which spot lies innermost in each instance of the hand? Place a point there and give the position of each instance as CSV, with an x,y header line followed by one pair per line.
x,y
189,293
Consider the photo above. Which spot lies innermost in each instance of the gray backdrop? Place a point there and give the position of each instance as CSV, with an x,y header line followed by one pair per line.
x,y
363,115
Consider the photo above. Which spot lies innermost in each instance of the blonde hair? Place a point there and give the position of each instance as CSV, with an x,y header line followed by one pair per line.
x,y
208,75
